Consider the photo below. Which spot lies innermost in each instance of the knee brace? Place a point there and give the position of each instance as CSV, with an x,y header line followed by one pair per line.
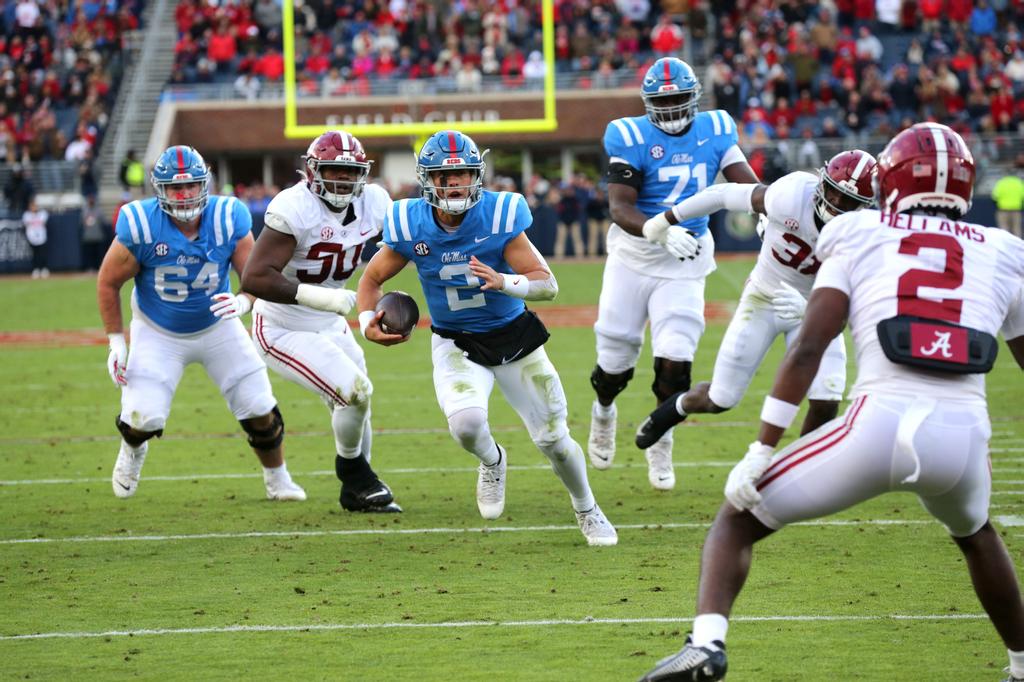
x,y
607,386
268,438
670,377
132,436
469,427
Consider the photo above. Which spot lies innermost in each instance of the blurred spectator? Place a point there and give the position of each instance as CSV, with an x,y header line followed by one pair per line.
x,y
808,155
132,175
869,47
1015,69
34,219
983,19
19,191
1008,194
247,86
88,184
94,235
568,222
468,78
534,69
597,222
666,37
888,13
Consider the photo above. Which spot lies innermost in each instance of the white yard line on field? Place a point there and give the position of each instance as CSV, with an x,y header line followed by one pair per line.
x,y
322,627
417,531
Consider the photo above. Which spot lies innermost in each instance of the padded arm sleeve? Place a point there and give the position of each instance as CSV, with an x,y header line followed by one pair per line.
x,y
729,195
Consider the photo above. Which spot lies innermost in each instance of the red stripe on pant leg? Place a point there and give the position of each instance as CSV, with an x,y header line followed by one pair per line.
x,y
296,365
847,428
802,448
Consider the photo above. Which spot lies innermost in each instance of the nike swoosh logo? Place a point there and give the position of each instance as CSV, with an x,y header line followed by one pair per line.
x,y
663,478
377,494
505,361
209,254
480,239
701,142
515,282
126,487
603,459
363,234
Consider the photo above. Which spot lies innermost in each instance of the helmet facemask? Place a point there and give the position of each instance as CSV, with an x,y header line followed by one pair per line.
x,y
186,209
672,110
439,197
337,193
826,209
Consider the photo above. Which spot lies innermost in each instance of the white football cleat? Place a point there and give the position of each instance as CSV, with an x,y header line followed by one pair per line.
x,y
282,487
127,469
596,528
660,472
601,443
490,487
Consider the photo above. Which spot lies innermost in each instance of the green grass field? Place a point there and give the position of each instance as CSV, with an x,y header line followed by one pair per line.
x,y
200,577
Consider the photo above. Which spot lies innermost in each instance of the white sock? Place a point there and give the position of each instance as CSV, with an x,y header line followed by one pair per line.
x,y
604,411
709,627
679,405
136,451
1016,663
273,472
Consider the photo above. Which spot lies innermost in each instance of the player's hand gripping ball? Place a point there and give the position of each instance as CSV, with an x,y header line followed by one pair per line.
x,y
400,313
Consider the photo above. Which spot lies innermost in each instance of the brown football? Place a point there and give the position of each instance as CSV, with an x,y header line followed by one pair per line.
x,y
400,313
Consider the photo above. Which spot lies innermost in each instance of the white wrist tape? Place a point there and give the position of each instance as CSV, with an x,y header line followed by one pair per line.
x,y
320,298
778,412
116,340
365,318
517,286
656,228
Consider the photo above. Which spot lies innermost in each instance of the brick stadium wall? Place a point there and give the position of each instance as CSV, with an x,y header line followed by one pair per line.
x,y
234,127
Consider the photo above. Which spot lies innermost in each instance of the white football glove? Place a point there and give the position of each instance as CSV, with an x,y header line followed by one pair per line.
x,y
681,243
332,300
228,305
788,303
117,361
739,488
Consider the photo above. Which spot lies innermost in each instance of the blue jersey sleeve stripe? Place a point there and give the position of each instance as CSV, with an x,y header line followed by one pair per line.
x,y
389,224
218,206
496,220
510,219
715,122
636,130
133,227
229,214
727,121
626,137
403,220
147,235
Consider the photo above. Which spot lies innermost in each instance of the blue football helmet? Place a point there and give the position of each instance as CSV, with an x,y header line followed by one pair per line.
x,y
450,150
181,165
670,92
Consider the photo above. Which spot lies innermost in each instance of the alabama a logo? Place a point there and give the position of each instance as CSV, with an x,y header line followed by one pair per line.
x,y
940,346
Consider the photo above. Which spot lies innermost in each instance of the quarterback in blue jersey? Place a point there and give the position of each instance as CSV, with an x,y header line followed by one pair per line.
x,y
656,272
477,266
178,247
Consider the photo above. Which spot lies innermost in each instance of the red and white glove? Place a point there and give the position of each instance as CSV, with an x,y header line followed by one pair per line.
x,y
117,361
739,488
228,306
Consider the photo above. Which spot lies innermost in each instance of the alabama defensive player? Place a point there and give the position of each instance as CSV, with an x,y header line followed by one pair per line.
x,y
793,211
315,232
179,246
925,295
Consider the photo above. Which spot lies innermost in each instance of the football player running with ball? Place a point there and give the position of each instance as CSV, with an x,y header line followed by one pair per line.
x,y
178,247
315,233
793,211
476,266
925,295
654,161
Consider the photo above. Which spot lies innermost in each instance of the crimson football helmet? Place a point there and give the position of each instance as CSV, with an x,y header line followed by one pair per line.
x,y
928,165
336,149
845,184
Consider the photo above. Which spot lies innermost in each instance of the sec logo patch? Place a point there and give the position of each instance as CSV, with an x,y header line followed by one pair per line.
x,y
657,151
326,232
791,224
161,249
421,249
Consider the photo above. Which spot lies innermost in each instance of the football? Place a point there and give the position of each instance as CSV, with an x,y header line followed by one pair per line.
x,y
400,313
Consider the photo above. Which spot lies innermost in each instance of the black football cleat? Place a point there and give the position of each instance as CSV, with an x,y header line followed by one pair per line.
x,y
691,664
664,417
376,498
